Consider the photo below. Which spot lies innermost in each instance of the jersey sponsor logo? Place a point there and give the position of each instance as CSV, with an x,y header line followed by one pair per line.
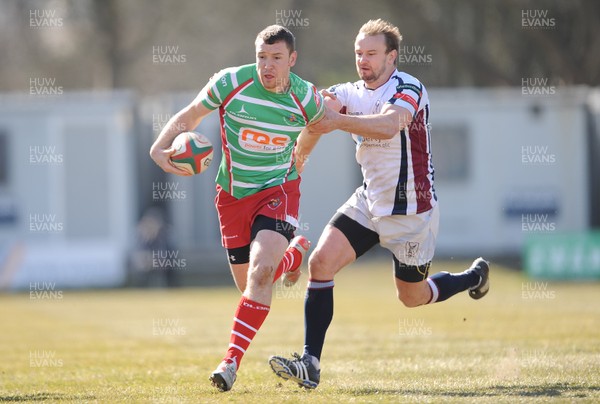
x,y
382,143
407,86
260,141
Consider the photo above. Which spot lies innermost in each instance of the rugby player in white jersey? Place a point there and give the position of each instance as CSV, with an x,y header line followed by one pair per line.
x,y
387,113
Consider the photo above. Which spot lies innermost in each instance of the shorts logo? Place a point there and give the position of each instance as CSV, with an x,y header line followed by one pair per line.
x,y
274,203
412,249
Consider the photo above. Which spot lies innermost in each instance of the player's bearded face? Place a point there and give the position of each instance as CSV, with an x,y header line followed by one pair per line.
x,y
273,64
372,61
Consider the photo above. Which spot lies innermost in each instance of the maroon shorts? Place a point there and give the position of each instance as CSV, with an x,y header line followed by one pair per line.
x,y
236,216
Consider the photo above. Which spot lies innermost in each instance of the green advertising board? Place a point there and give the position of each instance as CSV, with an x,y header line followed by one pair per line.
x,y
563,256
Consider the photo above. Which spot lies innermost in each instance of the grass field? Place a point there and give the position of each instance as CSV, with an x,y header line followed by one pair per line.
x,y
525,342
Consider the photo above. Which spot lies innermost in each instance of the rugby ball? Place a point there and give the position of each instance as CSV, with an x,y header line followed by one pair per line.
x,y
193,152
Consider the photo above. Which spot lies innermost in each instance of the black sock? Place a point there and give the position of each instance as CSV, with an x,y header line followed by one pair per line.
x,y
318,312
444,284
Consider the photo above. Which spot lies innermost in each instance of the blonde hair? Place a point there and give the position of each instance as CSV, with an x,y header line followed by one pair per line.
x,y
389,31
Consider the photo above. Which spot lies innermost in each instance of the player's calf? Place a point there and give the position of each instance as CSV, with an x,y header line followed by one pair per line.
x,y
411,283
415,288
413,294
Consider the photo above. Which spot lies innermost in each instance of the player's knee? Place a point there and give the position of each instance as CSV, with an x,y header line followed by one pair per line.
x,y
261,275
315,265
319,267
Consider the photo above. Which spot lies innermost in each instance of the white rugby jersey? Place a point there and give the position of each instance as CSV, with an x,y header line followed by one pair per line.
x,y
398,172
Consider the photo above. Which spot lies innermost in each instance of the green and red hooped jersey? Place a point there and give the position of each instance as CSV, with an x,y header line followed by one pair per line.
x,y
259,128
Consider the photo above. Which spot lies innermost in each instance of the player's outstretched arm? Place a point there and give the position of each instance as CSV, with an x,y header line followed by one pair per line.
x,y
185,120
305,145
385,125
308,138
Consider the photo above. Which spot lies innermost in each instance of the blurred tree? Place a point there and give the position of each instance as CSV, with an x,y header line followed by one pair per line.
x,y
110,43
107,22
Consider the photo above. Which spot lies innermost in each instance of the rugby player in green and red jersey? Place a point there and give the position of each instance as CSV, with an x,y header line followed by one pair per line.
x,y
263,108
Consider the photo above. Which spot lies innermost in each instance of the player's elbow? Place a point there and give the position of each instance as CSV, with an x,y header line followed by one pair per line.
x,y
153,151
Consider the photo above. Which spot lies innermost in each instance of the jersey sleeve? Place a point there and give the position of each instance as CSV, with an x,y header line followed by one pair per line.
x,y
408,95
341,92
217,89
315,107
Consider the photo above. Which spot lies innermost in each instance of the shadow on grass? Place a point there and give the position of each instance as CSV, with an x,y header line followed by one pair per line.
x,y
44,397
544,390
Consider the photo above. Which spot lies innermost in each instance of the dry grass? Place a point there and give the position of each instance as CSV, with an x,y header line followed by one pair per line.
x,y
524,342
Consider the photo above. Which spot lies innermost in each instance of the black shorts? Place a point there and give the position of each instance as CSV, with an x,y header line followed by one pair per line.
x,y
241,255
361,239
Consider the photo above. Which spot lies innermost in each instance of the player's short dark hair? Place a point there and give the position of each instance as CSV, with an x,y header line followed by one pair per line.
x,y
275,33
388,30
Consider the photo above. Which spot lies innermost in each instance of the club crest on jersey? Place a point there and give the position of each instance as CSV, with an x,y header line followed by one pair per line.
x,y
274,203
265,142
292,119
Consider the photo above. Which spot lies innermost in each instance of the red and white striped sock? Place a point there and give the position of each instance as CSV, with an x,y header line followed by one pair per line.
x,y
292,256
248,319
